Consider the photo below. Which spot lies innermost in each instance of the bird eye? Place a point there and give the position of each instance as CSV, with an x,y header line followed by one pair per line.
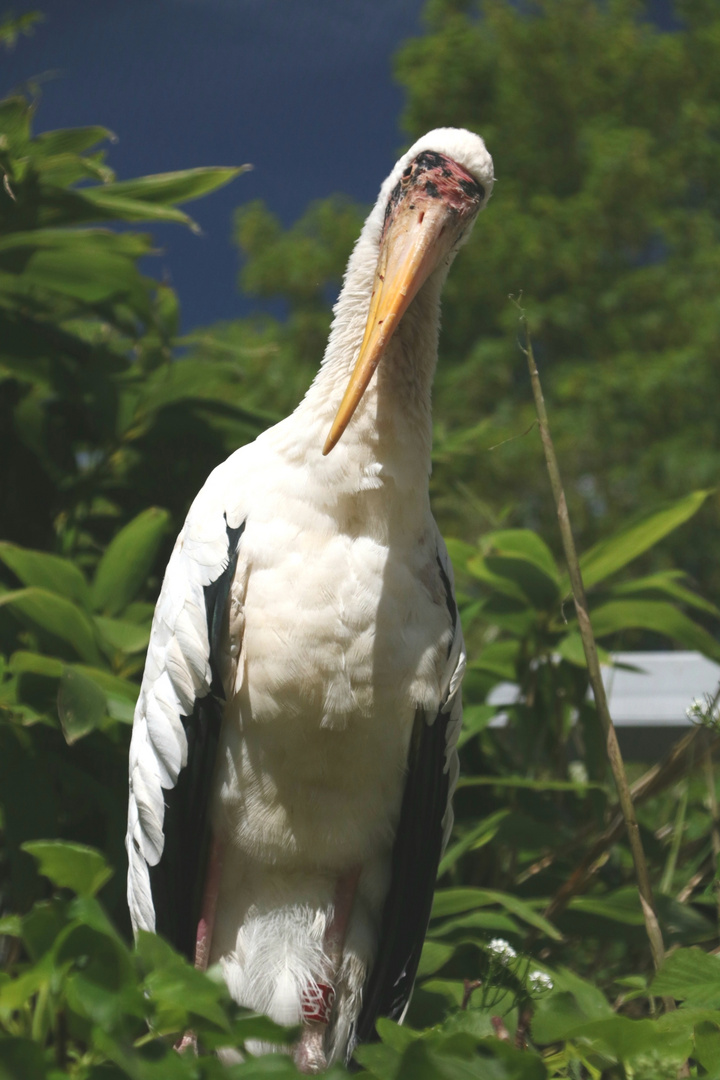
x,y
407,173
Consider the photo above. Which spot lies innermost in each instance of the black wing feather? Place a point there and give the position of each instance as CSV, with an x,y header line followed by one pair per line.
x,y
415,860
178,880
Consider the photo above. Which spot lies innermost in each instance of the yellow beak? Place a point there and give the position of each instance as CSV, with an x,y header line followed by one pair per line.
x,y
420,236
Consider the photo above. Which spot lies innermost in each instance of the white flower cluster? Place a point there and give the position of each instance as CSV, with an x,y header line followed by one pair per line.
x,y
706,712
502,949
540,982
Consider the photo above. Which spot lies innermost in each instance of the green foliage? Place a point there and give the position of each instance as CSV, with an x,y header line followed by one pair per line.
x,y
88,386
602,129
11,27
79,1002
304,266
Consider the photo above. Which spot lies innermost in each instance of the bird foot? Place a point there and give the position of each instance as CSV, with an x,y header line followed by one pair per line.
x,y
309,1052
187,1043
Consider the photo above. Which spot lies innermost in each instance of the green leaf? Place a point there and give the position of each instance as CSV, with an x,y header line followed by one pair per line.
x,y
707,1046
475,719
658,616
68,141
572,1004
11,925
127,637
435,954
622,906
490,922
499,658
666,582
15,116
570,648
178,989
250,1027
101,985
378,1059
477,837
523,910
70,866
17,992
459,551
49,572
520,556
453,901
83,272
535,584
690,975
22,1059
612,554
523,544
35,664
42,926
82,705
395,1035
579,787
89,243
124,567
479,569
176,187
120,694
58,616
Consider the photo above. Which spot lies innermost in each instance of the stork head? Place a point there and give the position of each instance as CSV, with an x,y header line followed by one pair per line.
x,y
428,205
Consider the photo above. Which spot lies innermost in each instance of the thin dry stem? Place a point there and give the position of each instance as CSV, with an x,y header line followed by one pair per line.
x,y
652,926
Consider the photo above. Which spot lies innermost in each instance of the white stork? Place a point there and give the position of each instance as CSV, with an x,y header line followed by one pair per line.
x,y
293,752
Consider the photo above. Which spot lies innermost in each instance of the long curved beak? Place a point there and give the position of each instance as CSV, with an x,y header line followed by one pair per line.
x,y
420,236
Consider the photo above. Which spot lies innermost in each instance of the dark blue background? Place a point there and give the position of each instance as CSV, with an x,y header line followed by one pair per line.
x,y
302,89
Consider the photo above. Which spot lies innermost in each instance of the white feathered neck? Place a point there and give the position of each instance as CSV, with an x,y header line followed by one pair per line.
x,y
391,429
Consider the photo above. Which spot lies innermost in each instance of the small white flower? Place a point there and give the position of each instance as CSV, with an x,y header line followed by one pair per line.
x,y
502,949
706,712
540,982
577,772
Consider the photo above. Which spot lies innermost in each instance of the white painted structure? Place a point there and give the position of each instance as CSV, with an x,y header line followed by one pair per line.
x,y
648,697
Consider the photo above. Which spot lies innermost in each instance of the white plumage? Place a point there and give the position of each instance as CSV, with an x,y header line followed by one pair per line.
x,y
308,603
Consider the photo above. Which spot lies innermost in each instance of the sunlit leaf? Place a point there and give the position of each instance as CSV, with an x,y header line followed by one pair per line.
x,y
126,637
36,664
475,838
499,658
127,561
571,648
522,544
610,555
57,616
475,719
70,866
82,705
175,187
453,901
47,572
658,616
667,583
690,975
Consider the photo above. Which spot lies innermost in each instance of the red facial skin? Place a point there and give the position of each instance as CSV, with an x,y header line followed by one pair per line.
x,y
434,176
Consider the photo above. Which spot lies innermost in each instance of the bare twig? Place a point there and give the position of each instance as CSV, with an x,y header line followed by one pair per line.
x,y
649,784
501,1031
652,926
469,985
715,831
